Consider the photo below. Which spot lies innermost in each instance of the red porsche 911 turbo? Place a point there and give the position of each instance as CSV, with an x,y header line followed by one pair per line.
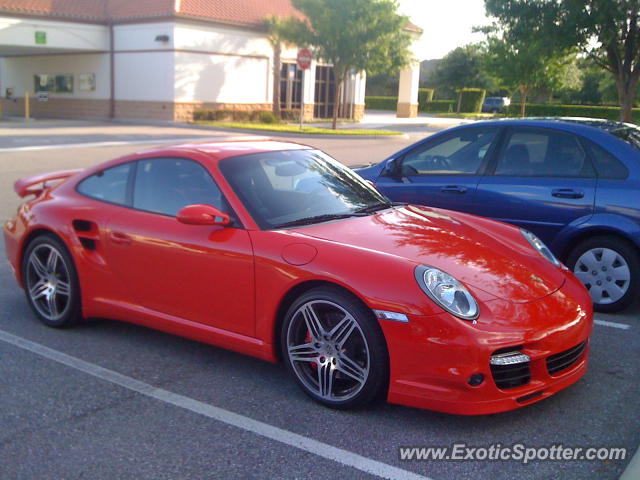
x,y
278,251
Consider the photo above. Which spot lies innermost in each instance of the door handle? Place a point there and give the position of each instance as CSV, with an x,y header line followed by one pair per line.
x,y
567,193
120,238
454,189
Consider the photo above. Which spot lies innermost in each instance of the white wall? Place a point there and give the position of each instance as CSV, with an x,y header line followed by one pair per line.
x,y
144,76
142,36
221,78
18,73
16,32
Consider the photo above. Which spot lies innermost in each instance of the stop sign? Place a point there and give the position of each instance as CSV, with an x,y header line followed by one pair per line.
x,y
304,58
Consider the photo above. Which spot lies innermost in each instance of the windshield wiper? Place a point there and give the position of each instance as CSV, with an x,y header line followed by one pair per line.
x,y
316,219
374,208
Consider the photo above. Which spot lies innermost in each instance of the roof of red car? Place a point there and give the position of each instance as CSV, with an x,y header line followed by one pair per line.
x,y
230,148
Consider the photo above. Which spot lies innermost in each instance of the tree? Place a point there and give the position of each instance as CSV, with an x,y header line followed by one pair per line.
x,y
460,68
276,28
354,35
608,31
525,66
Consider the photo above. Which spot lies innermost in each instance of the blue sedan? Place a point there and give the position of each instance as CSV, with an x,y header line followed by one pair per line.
x,y
575,183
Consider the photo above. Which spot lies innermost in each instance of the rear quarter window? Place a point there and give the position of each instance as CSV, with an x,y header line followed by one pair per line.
x,y
109,185
607,166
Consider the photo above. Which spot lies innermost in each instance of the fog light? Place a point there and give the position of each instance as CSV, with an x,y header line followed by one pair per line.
x,y
476,379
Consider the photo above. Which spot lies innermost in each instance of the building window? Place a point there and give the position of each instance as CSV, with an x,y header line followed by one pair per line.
x,y
325,92
87,82
54,83
290,86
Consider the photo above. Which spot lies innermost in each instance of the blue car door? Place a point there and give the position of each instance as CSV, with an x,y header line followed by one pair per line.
x,y
440,172
541,179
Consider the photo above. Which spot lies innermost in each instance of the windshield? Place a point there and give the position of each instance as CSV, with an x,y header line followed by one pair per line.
x,y
299,187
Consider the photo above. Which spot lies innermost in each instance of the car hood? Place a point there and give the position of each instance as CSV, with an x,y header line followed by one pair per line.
x,y
475,251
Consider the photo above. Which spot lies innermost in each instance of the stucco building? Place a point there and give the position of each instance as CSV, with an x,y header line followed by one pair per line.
x,y
160,60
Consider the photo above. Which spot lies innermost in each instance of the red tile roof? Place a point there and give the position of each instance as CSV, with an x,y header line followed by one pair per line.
x,y
236,12
239,12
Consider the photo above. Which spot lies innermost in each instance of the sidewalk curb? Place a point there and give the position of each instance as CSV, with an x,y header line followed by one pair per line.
x,y
269,133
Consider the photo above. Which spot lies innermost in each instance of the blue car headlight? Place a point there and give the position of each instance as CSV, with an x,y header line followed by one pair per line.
x,y
447,292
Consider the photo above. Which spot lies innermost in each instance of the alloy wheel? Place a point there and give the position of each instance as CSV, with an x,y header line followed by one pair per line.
x,y
328,350
48,282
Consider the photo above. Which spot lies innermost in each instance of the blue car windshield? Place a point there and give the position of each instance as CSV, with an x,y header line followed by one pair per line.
x,y
299,187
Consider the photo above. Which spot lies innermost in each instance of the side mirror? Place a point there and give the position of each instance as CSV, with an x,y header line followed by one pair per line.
x,y
203,215
391,168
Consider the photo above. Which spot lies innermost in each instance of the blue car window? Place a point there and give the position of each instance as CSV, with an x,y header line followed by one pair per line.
x,y
458,154
538,153
607,166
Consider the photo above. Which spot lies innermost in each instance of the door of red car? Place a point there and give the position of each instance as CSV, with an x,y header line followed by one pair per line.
x,y
199,273
542,180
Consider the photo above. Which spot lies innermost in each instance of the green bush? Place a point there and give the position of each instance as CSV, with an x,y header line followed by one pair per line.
x,y
470,99
438,106
381,103
290,114
589,111
235,116
267,116
425,95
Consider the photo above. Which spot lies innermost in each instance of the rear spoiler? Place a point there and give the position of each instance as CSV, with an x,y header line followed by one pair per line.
x,y
36,184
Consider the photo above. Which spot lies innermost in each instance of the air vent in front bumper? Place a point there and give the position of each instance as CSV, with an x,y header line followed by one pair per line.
x,y
563,360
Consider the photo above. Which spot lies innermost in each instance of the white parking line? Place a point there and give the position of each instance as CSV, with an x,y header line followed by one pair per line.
x,y
149,141
605,323
286,437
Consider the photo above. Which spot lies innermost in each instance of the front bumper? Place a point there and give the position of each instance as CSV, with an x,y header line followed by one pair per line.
x,y
433,357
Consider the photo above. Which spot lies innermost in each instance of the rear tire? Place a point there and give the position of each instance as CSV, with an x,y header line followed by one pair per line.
x,y
609,267
335,349
51,282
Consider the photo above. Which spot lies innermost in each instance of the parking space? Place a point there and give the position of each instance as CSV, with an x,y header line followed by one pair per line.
x,y
111,400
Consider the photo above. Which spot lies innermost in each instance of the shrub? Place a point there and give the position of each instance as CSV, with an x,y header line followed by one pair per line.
x,y
267,116
470,99
232,115
438,106
589,111
290,114
425,95
381,103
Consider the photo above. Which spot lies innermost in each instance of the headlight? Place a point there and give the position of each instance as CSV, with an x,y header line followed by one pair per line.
x,y
540,247
447,292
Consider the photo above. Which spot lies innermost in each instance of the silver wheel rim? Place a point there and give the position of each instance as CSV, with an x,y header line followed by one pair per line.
x,y
48,282
328,350
605,273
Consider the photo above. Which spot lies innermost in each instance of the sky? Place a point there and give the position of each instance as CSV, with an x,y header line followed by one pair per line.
x,y
447,24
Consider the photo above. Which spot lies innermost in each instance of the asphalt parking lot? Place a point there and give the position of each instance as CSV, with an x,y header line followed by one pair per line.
x,y
111,400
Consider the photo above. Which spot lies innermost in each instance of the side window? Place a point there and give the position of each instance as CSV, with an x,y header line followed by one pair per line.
x,y
165,185
108,185
533,153
607,166
458,154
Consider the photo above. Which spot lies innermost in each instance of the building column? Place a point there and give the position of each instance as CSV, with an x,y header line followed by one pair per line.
x,y
309,92
408,91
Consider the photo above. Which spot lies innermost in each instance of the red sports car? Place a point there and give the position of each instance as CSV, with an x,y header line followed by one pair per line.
x,y
278,251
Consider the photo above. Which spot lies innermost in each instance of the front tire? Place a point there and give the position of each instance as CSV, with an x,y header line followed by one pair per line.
x,y
51,282
335,349
609,267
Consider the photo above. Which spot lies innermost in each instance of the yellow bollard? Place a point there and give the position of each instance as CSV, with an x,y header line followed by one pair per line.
x,y
26,105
